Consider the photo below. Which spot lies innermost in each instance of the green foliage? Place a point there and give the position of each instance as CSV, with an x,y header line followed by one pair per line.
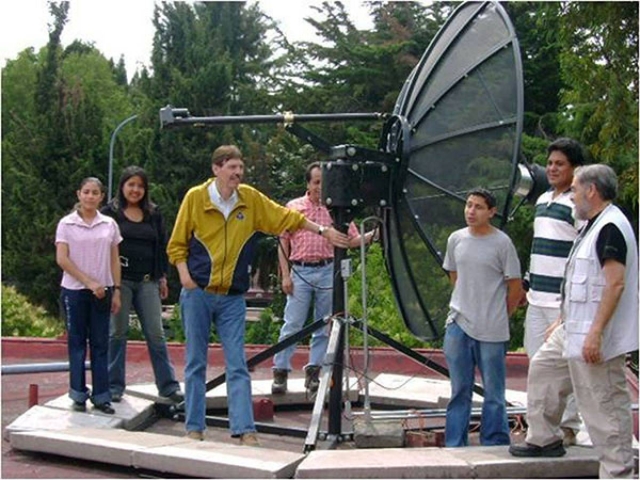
x,y
61,105
382,311
20,318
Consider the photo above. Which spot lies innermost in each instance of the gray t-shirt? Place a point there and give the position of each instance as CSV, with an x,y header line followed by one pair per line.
x,y
479,299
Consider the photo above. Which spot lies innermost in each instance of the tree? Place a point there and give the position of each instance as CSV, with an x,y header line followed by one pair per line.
x,y
600,67
58,109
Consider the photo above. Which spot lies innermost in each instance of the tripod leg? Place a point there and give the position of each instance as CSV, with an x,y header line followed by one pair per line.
x,y
323,389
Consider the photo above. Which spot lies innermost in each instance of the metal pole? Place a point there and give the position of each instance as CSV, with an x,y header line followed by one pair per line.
x,y
38,368
111,145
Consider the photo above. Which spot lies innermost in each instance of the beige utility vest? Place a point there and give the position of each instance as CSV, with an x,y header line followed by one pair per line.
x,y
582,290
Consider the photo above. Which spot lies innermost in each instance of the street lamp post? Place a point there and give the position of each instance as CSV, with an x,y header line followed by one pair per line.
x,y
111,145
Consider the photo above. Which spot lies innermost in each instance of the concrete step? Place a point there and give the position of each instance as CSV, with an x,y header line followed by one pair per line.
x,y
161,453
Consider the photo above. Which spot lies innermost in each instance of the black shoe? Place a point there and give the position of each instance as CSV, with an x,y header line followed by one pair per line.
x,y
116,397
105,408
79,407
554,449
176,397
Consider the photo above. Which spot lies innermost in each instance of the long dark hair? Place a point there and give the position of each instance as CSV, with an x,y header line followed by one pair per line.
x,y
120,202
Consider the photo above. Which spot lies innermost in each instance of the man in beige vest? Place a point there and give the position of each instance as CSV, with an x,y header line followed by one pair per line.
x,y
585,349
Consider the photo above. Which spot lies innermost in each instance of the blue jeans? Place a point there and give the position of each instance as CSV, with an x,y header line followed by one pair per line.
x,y
145,298
307,283
87,319
463,353
198,308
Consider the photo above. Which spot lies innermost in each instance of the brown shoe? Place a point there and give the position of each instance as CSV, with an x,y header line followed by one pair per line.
x,y
279,385
195,435
569,436
249,440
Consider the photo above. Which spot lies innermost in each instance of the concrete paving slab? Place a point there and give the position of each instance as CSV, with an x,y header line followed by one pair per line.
x,y
217,398
497,462
46,418
216,460
133,411
384,463
419,392
113,446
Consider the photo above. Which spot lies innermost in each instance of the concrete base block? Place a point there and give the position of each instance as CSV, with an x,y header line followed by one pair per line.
x,y
217,460
467,462
132,411
384,463
114,446
46,418
375,433
162,453
497,462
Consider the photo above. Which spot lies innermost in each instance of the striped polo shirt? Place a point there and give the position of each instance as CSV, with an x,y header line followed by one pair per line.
x,y
554,230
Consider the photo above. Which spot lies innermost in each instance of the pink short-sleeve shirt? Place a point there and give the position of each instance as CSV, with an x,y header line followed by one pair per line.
x,y
89,247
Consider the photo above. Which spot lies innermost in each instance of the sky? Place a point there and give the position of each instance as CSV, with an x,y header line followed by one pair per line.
x,y
119,27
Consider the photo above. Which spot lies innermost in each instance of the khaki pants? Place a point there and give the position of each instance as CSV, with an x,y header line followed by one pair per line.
x,y
537,321
601,395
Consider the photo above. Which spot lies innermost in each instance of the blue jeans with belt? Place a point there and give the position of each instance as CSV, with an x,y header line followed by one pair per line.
x,y
307,283
87,319
145,298
198,309
463,353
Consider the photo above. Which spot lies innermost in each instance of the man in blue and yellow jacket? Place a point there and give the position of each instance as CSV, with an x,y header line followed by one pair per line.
x,y
212,247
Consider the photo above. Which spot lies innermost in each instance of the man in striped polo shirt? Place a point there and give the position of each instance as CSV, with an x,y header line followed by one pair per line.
x,y
554,230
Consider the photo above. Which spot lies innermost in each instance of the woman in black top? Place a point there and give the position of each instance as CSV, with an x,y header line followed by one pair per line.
x,y
144,264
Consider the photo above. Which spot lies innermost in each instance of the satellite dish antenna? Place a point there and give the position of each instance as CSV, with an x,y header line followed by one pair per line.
x,y
457,125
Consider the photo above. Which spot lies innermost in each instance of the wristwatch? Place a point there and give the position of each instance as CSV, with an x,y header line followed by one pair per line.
x,y
321,230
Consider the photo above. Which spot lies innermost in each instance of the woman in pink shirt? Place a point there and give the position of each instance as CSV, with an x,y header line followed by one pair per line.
x,y
87,251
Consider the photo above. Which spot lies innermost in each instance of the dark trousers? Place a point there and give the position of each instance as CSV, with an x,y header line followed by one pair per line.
x,y
87,319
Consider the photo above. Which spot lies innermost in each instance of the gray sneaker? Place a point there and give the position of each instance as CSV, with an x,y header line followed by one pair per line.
x,y
279,385
312,378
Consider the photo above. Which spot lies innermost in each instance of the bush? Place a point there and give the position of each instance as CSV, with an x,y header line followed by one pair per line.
x,y
22,319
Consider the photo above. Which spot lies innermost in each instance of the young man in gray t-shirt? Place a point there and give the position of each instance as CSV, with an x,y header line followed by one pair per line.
x,y
485,272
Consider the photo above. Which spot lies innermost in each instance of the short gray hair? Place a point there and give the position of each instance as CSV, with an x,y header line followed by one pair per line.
x,y
602,177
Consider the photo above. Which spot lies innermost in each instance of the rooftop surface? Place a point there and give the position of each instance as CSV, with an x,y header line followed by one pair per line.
x,y
16,399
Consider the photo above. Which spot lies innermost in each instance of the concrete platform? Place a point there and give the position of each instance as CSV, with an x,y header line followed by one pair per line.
x,y
161,453
468,462
169,455
94,436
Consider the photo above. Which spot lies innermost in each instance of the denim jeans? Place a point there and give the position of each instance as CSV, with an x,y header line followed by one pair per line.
x,y
463,354
145,298
198,308
87,319
307,283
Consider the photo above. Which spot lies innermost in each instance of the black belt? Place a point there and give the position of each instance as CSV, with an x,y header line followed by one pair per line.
x,y
320,263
